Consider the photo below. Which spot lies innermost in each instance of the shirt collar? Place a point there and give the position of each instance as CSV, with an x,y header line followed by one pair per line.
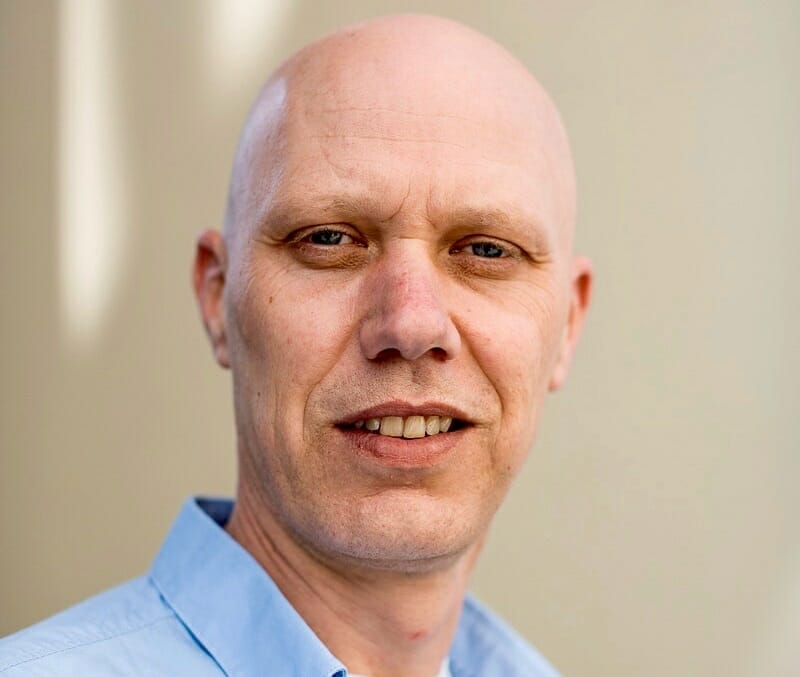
x,y
230,604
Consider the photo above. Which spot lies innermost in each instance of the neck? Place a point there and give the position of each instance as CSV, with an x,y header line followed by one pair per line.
x,y
378,622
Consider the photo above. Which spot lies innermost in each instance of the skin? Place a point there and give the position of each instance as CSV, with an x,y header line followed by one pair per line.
x,y
421,149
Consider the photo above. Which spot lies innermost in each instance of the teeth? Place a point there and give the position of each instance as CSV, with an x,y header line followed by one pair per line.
x,y
392,426
410,427
432,425
414,427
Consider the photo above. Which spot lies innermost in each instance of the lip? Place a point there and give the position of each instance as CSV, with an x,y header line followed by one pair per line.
x,y
403,408
401,453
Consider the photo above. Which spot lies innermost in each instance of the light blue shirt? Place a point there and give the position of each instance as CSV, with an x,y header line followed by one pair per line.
x,y
208,608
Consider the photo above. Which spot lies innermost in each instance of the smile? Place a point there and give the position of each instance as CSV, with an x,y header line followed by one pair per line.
x,y
408,427
405,435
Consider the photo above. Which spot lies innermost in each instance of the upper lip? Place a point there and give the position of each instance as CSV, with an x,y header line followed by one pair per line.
x,y
403,408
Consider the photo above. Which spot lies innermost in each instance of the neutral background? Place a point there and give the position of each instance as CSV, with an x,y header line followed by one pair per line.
x,y
654,529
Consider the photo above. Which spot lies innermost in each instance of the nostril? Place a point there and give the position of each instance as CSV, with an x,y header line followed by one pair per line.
x,y
387,355
390,354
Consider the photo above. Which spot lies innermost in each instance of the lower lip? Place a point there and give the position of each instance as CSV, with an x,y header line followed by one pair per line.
x,y
399,452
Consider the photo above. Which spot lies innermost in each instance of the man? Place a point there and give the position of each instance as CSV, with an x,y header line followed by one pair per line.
x,y
394,293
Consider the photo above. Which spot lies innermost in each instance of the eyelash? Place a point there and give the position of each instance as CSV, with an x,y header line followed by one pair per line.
x,y
462,254
306,238
504,249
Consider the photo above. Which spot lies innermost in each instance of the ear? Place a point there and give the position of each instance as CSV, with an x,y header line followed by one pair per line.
x,y
208,278
580,293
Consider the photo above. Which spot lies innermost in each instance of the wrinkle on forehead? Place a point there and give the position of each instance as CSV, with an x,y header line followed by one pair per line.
x,y
407,79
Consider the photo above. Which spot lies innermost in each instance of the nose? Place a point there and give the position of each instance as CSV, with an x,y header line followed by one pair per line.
x,y
406,313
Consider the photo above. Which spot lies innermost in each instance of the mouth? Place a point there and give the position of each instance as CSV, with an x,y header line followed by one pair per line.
x,y
401,435
407,421
411,427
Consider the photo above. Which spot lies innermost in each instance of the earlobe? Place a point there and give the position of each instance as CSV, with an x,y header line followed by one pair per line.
x,y
208,278
580,296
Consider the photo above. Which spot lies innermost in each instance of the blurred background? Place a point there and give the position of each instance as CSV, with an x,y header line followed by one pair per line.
x,y
654,528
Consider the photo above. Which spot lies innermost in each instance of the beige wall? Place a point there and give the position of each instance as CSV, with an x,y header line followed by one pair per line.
x,y
654,529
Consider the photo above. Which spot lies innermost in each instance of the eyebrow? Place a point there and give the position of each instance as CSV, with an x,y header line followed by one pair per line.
x,y
482,216
511,221
293,212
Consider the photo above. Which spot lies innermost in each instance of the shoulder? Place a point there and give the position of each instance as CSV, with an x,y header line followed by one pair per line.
x,y
125,630
486,645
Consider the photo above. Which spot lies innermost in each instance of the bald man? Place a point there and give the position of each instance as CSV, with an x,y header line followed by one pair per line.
x,y
394,293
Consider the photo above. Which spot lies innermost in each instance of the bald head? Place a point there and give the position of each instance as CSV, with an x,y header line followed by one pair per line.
x,y
412,82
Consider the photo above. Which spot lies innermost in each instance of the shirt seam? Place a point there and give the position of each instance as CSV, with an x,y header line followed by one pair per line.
x,y
79,645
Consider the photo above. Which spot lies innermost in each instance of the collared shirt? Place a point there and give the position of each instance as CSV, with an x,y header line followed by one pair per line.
x,y
208,608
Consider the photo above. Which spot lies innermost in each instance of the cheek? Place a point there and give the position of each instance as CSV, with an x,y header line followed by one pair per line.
x,y
514,339
293,329
285,334
514,335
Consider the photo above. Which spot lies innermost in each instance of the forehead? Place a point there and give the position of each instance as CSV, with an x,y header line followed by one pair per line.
x,y
373,155
358,125
479,113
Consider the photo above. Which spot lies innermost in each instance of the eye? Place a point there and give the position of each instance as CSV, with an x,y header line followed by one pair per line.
x,y
328,246
487,250
481,247
329,237
484,256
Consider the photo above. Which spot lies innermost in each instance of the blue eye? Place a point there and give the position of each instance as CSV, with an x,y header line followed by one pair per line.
x,y
487,250
329,237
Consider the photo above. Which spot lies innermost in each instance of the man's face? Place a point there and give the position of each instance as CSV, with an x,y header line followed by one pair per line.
x,y
392,260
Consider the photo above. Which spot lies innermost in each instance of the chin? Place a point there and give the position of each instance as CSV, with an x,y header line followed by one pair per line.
x,y
395,531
